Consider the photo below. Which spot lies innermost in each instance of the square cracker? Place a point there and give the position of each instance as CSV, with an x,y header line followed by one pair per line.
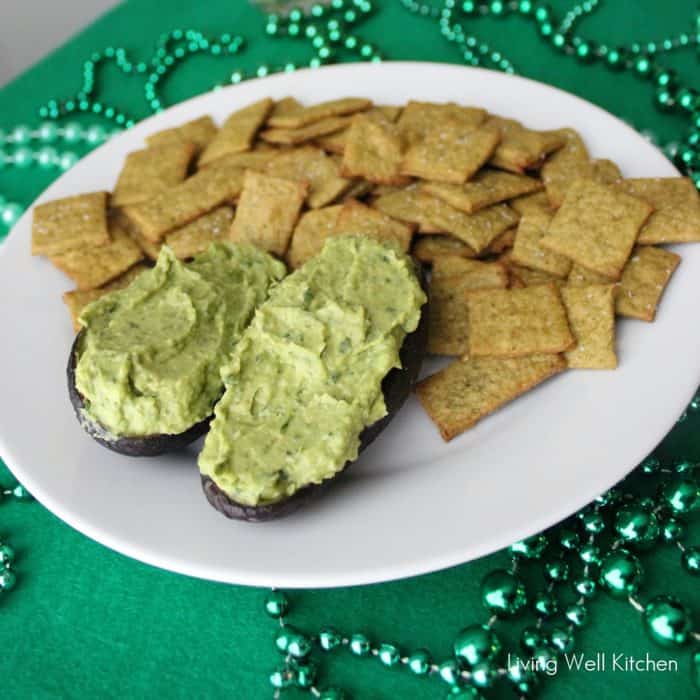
x,y
255,159
605,171
450,154
503,241
310,234
478,230
238,131
644,280
581,277
92,267
465,391
308,115
199,131
357,219
527,250
515,322
676,202
66,224
486,188
520,148
285,107
419,118
313,166
525,277
591,313
293,137
475,274
569,163
336,142
409,204
531,202
77,299
152,170
199,234
596,226
427,249
177,206
267,212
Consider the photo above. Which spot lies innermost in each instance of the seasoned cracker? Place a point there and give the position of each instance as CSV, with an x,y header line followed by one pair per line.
x,y
152,170
67,224
525,277
569,163
486,188
515,322
419,118
465,391
335,143
310,234
644,280
504,241
177,206
316,113
676,203
427,249
284,108
605,171
357,190
581,277
267,212
237,132
475,274
357,219
520,148
527,250
90,268
199,234
199,131
293,137
313,166
596,226
450,154
591,314
411,205
255,159
531,202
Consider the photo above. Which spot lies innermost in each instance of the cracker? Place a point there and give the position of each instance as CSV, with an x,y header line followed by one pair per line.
x,y
591,314
285,107
179,205
313,166
255,159
315,113
410,205
357,219
520,148
531,202
605,171
152,170
66,224
199,131
90,268
676,203
450,154
525,277
465,391
293,137
151,250
515,322
644,280
596,226
478,230
77,299
474,274
373,150
504,241
581,277
335,143
427,249
571,162
357,189
527,250
486,188
237,132
310,234
199,234
419,118
267,212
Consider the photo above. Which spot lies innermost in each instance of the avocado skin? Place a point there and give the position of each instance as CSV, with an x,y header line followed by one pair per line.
x,y
148,446
396,386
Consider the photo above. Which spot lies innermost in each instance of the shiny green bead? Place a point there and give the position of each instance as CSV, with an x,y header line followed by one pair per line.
x,y
531,638
585,587
281,677
690,560
543,12
72,133
683,466
524,680
651,465
589,553
556,570
664,99
7,580
546,29
95,135
687,98
577,614
695,670
23,157
48,132
592,521
503,593
299,646
585,52
558,40
469,7
615,58
388,654
530,548
419,662
609,497
46,157
525,7
497,7
621,573
449,672
359,645
282,638
636,526
276,604
7,555
642,66
475,644
666,78
305,675
561,639
483,675
21,134
682,495
545,604
667,621
67,160
569,539
332,694
329,639
10,214
673,530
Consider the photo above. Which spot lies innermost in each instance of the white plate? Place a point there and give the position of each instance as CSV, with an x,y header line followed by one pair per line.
x,y
412,504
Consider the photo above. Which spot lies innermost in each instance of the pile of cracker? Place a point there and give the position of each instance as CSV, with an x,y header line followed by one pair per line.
x,y
535,247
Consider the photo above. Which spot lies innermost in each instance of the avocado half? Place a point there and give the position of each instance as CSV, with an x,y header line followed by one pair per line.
x,y
397,385
131,446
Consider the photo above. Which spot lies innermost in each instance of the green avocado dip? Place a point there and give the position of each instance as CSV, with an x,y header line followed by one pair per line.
x,y
306,376
149,358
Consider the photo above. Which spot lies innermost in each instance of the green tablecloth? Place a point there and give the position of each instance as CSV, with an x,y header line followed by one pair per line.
x,y
85,622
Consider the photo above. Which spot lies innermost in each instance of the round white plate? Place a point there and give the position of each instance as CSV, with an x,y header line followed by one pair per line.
x,y
412,504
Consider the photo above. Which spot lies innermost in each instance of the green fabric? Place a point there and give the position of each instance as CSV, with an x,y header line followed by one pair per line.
x,y
85,622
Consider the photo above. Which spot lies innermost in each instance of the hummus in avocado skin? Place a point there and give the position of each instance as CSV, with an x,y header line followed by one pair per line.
x,y
305,378
150,355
